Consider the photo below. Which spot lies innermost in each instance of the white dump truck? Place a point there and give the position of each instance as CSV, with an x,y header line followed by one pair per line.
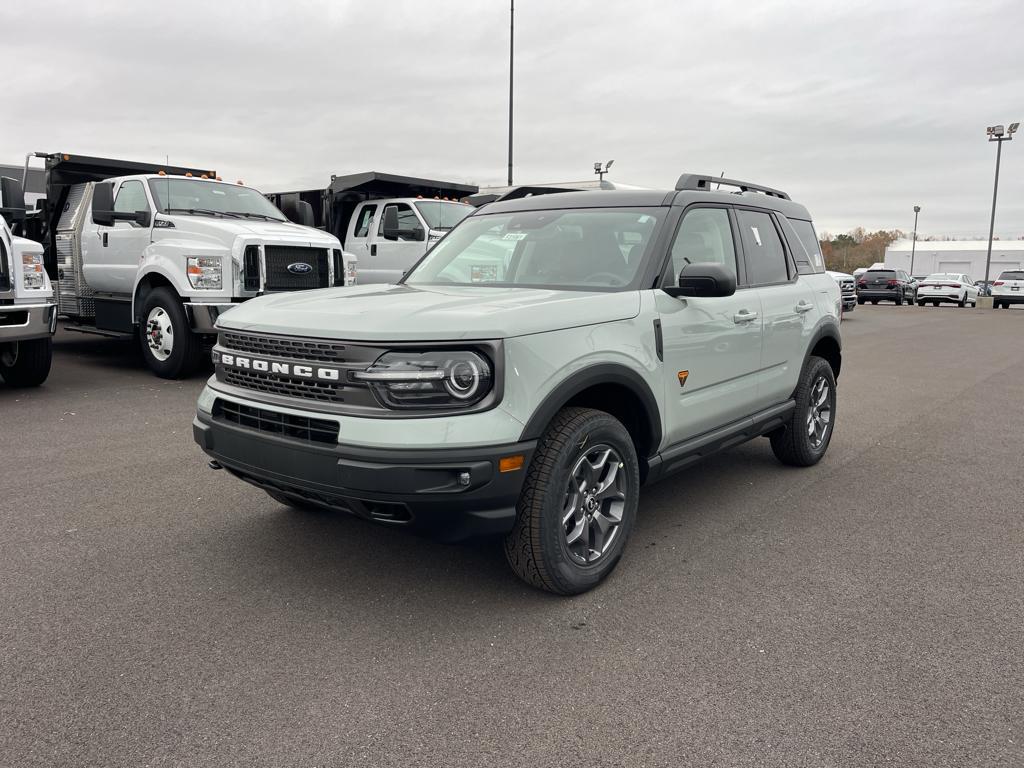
x,y
159,252
28,311
388,222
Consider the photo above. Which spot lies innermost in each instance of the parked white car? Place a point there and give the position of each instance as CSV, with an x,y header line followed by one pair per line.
x,y
1008,289
947,287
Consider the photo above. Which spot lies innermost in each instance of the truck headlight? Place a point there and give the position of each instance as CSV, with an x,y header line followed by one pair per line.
x,y
440,379
32,275
205,272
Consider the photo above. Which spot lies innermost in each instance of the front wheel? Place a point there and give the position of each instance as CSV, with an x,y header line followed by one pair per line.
x,y
803,441
578,504
963,301
26,363
169,347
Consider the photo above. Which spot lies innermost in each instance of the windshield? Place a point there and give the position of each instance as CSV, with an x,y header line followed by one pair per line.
x,y
584,249
442,215
210,198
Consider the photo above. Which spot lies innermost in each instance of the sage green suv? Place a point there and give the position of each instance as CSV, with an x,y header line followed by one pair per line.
x,y
543,361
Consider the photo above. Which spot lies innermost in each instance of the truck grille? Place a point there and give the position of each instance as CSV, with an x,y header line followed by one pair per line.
x,y
279,257
5,274
275,423
289,349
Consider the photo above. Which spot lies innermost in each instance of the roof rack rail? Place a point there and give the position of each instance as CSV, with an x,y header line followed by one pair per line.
x,y
693,181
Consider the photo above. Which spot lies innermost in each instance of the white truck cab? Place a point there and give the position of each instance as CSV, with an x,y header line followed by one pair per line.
x,y
387,222
28,311
162,252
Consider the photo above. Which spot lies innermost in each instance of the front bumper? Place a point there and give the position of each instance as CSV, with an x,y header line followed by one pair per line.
x,y
849,301
22,322
413,488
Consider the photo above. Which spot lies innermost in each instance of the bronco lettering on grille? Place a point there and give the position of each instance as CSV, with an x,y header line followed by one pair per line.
x,y
269,366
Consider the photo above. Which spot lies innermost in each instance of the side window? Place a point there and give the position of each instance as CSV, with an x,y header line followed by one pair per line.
x,y
407,222
365,220
809,240
703,236
131,197
766,258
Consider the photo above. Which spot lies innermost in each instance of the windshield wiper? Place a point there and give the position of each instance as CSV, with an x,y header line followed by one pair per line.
x,y
202,211
248,214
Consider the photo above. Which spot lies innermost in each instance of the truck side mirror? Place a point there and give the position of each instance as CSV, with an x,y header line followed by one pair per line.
x,y
12,196
389,225
417,233
704,279
103,204
298,212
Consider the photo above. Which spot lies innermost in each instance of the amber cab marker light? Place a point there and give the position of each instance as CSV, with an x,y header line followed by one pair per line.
x,y
511,463
682,378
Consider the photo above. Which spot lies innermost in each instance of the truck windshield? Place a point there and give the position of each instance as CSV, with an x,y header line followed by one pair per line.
x,y
590,249
210,198
442,215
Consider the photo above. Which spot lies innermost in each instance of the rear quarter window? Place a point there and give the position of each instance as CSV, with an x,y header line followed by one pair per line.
x,y
809,241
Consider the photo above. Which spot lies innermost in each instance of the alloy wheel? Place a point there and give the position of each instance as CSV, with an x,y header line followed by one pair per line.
x,y
819,414
595,500
159,333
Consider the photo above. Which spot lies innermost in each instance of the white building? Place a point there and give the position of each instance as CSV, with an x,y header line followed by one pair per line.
x,y
967,256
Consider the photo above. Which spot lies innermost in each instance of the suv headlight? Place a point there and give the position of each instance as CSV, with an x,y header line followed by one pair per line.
x,y
440,379
204,272
32,275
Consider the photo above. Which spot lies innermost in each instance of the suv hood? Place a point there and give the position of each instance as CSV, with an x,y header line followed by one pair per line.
x,y
434,313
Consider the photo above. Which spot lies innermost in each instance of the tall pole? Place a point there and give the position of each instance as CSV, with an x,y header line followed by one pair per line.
x,y
511,62
992,223
913,245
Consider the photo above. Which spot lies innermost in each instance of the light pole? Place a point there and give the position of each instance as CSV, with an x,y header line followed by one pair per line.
x,y
998,134
913,245
511,61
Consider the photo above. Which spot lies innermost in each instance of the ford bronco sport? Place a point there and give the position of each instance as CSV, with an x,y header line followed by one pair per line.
x,y
545,359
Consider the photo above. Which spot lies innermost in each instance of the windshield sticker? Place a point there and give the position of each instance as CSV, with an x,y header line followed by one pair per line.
x,y
483,273
514,235
757,235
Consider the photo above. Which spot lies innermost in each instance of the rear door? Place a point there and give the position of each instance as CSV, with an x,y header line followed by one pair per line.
x,y
711,345
787,304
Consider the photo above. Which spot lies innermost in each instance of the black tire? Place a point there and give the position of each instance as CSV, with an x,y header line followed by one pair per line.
x,y
538,548
26,363
920,303
186,347
899,300
860,301
875,302
792,443
962,302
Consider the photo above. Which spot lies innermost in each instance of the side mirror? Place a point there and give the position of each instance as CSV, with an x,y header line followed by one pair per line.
x,y
417,233
103,204
389,225
706,279
12,196
298,211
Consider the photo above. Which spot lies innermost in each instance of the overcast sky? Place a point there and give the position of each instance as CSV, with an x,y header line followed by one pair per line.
x,y
860,110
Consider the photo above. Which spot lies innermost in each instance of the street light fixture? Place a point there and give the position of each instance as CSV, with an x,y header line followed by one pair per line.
x,y
602,171
913,245
999,134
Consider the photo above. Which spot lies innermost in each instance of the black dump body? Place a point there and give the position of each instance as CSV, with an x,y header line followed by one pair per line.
x,y
64,171
333,206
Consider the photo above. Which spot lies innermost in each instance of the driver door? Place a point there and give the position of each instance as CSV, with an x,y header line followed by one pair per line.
x,y
395,255
715,340
114,261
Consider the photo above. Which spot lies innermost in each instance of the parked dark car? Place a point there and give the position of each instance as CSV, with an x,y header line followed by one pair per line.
x,y
894,285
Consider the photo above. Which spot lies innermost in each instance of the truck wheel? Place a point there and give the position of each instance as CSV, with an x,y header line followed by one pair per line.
x,y
578,503
804,440
170,348
26,363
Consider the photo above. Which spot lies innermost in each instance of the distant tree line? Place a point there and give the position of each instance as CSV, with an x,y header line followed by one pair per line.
x,y
857,248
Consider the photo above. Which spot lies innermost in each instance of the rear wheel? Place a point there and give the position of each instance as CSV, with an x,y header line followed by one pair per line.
x,y
169,347
860,301
874,301
920,303
26,363
578,504
899,300
804,440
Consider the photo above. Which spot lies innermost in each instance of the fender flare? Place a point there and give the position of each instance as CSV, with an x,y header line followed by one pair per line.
x,y
140,278
602,373
827,329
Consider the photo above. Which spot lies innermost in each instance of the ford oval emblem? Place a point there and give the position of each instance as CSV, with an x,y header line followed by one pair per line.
x,y
300,268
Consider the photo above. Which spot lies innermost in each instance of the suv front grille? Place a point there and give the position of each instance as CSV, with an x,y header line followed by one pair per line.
x,y
279,257
278,346
275,423
288,386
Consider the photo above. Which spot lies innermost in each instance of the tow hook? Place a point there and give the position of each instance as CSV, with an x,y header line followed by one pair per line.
x,y
214,464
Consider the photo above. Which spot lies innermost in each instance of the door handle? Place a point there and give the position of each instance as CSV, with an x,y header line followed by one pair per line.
x,y
104,239
373,249
743,316
803,306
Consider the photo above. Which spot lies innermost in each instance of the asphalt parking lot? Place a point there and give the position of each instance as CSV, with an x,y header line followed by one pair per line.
x,y
868,611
